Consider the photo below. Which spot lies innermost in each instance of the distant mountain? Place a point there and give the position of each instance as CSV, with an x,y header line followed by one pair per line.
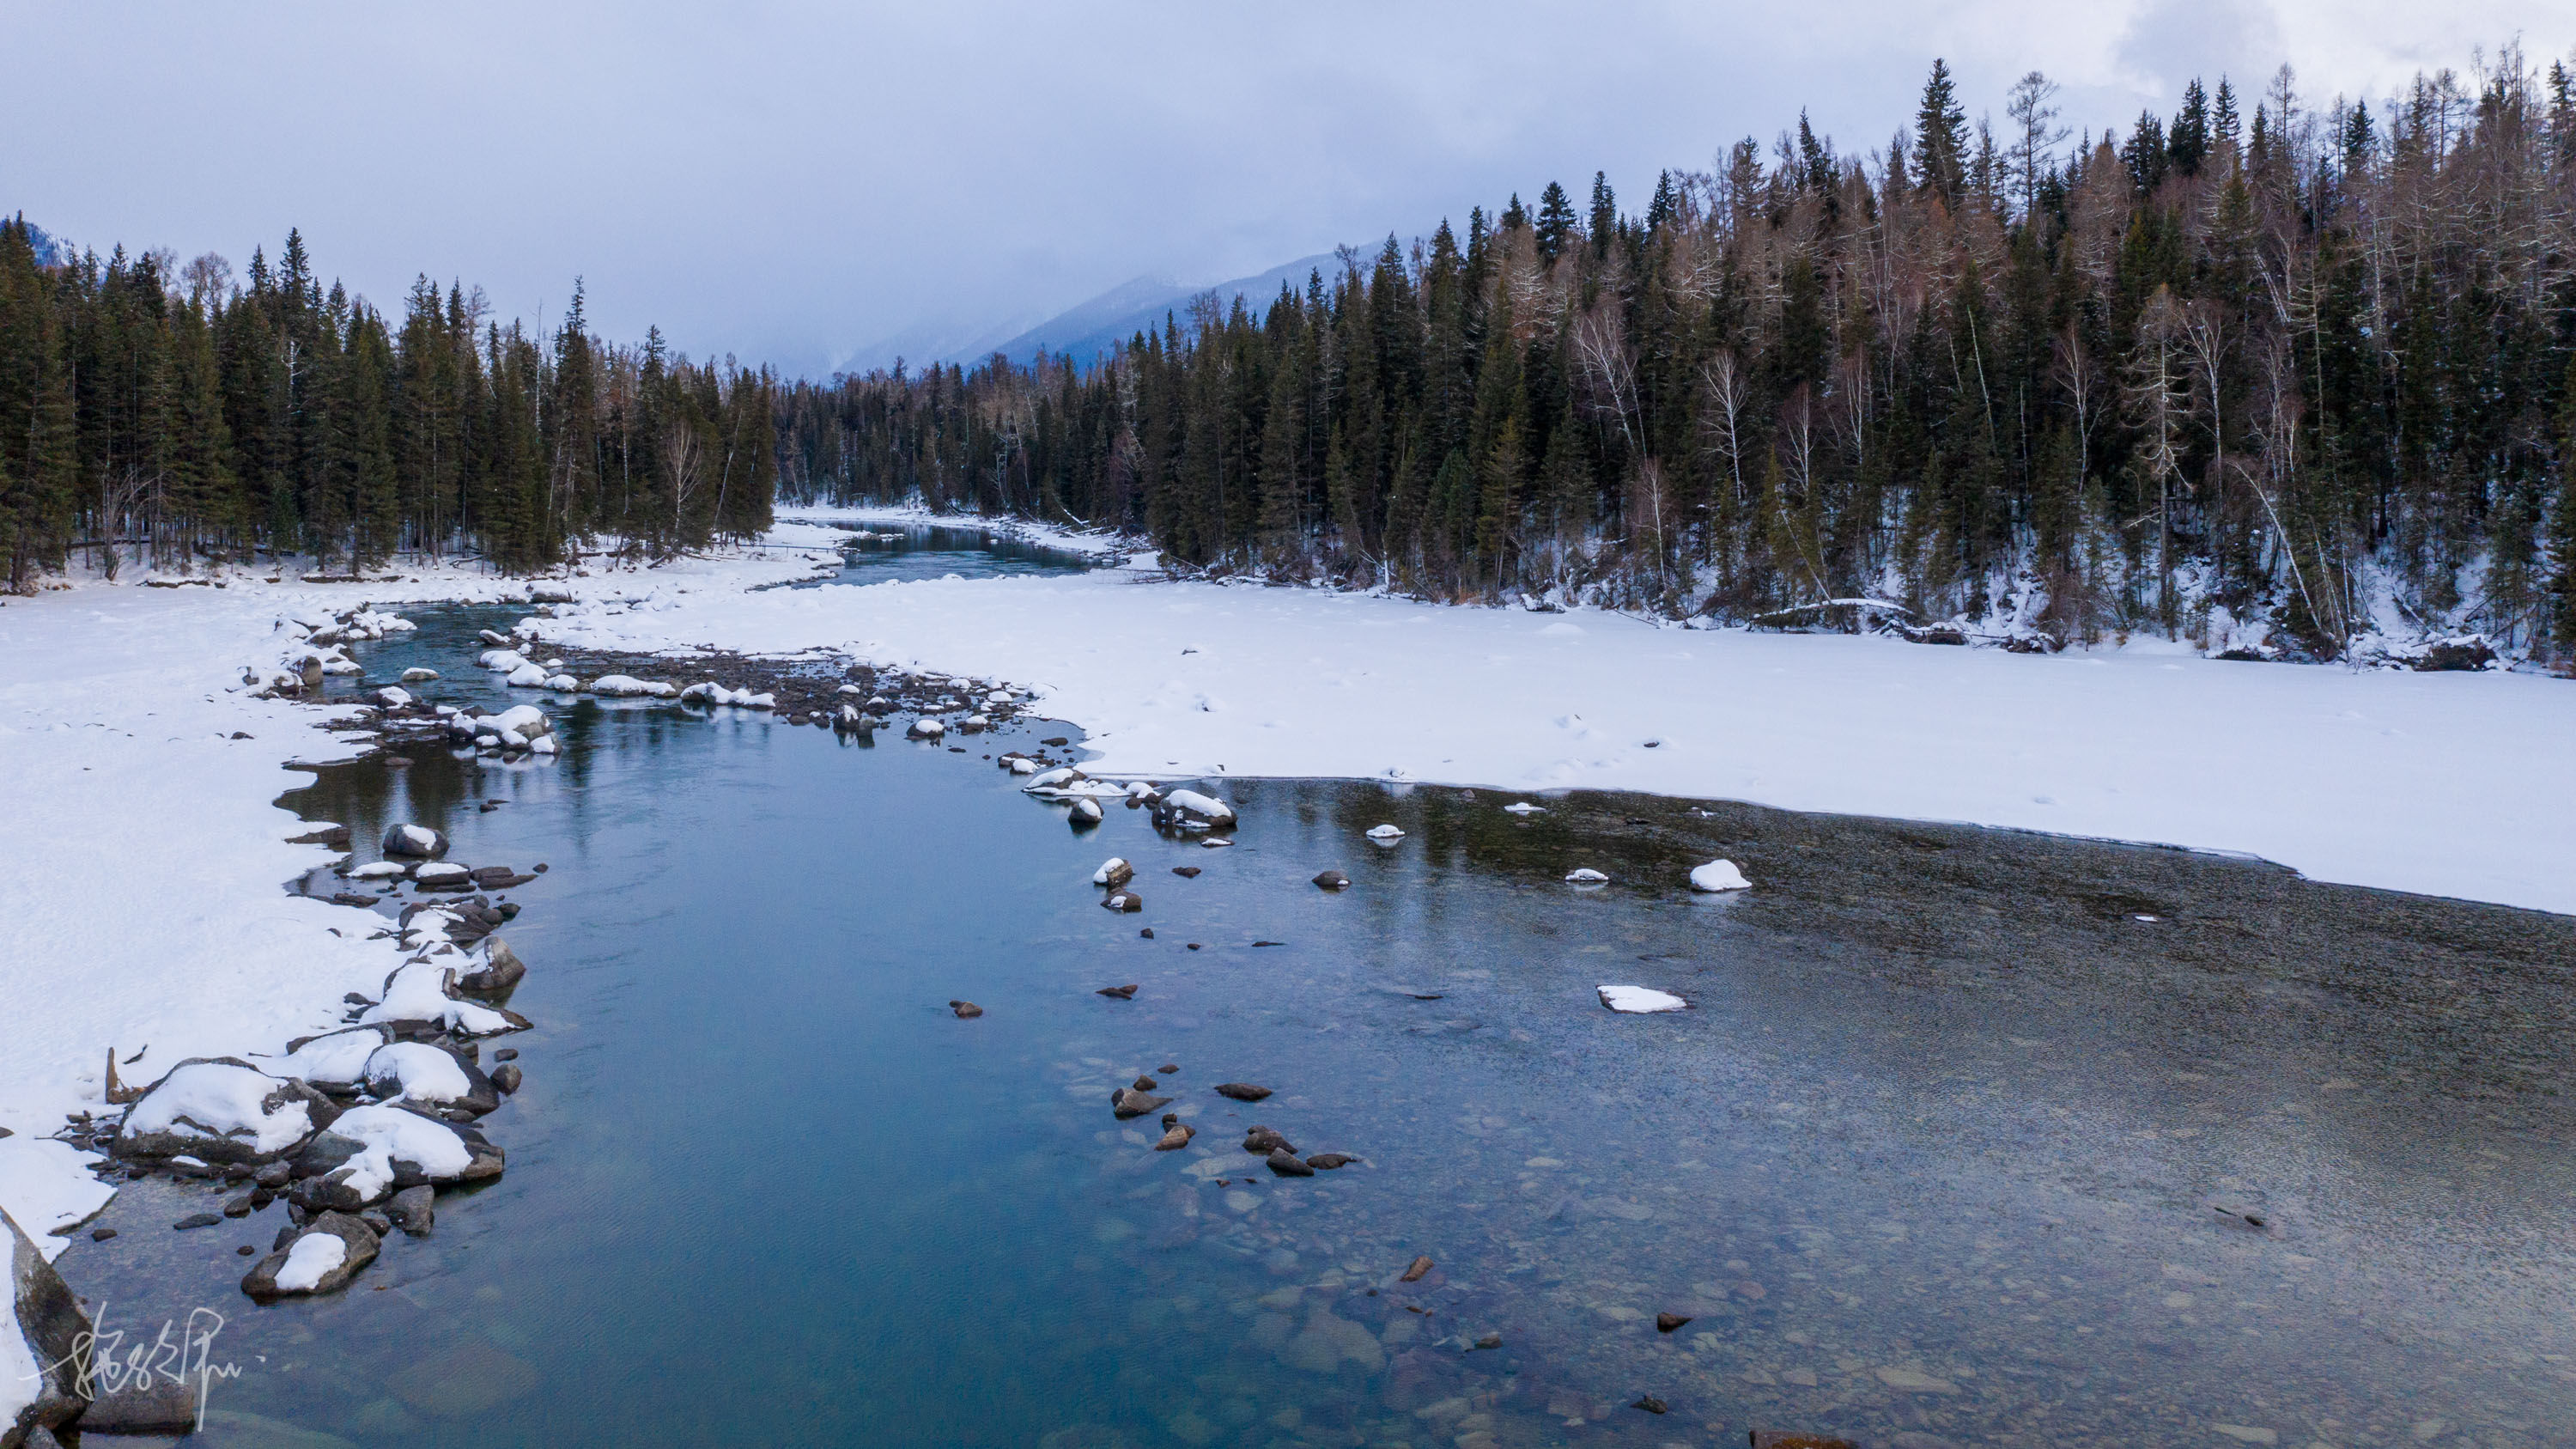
x,y
1095,327
1083,332
49,252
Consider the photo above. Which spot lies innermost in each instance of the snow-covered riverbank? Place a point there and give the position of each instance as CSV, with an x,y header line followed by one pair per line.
x,y
2451,784
141,874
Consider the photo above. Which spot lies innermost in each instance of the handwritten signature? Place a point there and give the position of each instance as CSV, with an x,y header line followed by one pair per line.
x,y
105,1360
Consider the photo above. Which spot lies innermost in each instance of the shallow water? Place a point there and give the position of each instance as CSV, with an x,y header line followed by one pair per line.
x,y
1936,1152
903,552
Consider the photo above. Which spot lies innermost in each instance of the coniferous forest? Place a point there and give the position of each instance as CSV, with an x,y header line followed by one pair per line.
x,y
2263,360
159,414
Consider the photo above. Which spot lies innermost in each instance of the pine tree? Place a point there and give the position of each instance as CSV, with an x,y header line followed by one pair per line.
x,y
1940,149
1555,222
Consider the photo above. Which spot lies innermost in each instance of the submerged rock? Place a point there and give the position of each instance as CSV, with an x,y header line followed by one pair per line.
x,y
1667,1322
1414,1273
1123,993
1261,1141
1329,1161
965,1009
1289,1164
1242,1091
414,1209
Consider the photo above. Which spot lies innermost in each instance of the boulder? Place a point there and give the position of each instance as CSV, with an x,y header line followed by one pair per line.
x,y
505,1079
417,675
1330,1161
1288,1164
1333,880
1122,993
371,1151
1130,1102
1261,1141
965,1009
491,970
1123,901
1113,872
320,1259
1176,1137
414,1209
418,1071
1085,813
50,1331
1241,1091
335,1061
925,728
414,842
222,1110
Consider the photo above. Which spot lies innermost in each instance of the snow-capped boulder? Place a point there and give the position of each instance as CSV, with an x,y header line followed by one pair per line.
x,y
441,874
43,1334
925,728
1200,807
1523,807
1385,832
222,1109
620,686
394,696
1586,875
415,1071
418,675
373,1150
527,676
848,720
1639,1000
493,637
564,682
380,870
1024,766
1718,875
415,842
849,689
335,1061
1046,780
501,661
419,991
1113,872
321,1258
527,719
1086,812
542,745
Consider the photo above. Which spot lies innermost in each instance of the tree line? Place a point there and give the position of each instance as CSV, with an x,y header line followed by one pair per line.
x,y
160,414
2313,365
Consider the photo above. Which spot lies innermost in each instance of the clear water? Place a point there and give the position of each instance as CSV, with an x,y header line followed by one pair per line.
x,y
1934,1154
903,552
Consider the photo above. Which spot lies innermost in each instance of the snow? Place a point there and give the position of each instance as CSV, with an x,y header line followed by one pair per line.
x,y
1639,1000
527,719
379,870
528,676
619,685
1586,875
46,1185
1385,832
335,1061
393,697
418,992
2452,784
441,872
1523,807
1719,875
1206,807
502,661
310,1260
214,1100
390,1133
418,1071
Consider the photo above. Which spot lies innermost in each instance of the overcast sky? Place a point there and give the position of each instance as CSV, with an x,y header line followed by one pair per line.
x,y
792,182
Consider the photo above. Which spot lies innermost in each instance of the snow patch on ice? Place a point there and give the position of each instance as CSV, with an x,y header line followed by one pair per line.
x,y
1639,1000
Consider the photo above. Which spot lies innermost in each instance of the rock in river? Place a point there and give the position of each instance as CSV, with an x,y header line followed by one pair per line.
x,y
965,1009
1333,880
1129,1102
1123,993
1241,1091
1123,901
324,1256
1113,872
417,842
1288,1164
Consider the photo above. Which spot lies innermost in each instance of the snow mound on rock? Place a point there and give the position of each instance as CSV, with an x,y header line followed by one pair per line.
x,y
1639,1000
221,1101
310,1261
1719,875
